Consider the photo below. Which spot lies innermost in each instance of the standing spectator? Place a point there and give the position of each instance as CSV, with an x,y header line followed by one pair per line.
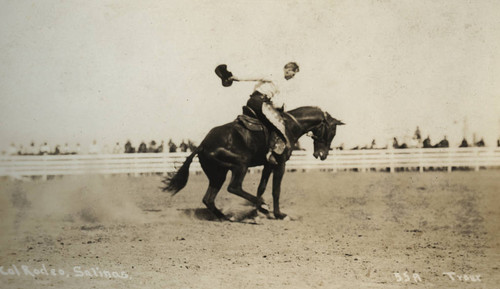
x,y
65,149
21,151
171,146
464,143
31,150
117,149
160,148
57,150
192,147
417,134
12,151
105,149
94,148
427,143
183,146
480,143
142,148
443,143
152,147
44,149
395,143
129,149
77,150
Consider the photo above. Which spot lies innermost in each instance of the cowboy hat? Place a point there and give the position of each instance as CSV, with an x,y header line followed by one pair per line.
x,y
224,75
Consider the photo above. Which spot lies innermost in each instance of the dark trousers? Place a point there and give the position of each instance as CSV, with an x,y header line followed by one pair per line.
x,y
255,103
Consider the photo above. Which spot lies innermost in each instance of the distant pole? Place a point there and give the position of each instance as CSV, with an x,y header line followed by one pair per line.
x,y
498,136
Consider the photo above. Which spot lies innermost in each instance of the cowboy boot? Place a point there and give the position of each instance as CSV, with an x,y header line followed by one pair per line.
x,y
271,159
273,138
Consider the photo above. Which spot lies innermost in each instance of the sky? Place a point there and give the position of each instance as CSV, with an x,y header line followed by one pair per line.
x,y
74,71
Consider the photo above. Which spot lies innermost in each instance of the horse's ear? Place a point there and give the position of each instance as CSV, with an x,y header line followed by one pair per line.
x,y
338,122
335,121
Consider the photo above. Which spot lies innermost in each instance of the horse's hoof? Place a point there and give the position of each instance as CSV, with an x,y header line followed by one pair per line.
x,y
264,208
281,216
221,218
287,218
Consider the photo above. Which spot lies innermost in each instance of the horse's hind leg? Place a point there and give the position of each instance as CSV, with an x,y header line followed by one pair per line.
x,y
266,172
209,201
235,186
216,178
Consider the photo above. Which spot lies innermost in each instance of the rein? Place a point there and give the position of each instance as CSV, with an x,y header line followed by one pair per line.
x,y
295,120
324,124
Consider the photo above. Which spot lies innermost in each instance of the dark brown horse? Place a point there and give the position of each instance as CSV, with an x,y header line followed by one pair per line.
x,y
231,147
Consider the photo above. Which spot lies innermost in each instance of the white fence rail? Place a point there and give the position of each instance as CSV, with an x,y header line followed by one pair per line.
x,y
449,158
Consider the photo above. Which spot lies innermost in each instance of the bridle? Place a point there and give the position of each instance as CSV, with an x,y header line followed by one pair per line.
x,y
324,128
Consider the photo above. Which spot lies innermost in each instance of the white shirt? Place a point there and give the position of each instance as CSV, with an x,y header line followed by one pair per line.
x,y
65,149
272,89
12,150
94,149
117,149
44,149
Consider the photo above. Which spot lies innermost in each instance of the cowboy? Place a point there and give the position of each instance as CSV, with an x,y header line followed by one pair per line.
x,y
264,101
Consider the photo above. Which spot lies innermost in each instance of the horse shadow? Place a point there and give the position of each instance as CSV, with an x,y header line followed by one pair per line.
x,y
199,213
204,214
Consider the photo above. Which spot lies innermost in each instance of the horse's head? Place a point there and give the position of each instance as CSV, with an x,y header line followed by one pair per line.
x,y
323,135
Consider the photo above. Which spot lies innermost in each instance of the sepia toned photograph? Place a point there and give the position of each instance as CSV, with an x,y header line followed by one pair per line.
x,y
250,144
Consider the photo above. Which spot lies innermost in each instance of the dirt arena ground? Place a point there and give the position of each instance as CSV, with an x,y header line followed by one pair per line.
x,y
348,230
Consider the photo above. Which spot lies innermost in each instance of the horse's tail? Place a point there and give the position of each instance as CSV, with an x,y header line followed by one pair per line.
x,y
176,182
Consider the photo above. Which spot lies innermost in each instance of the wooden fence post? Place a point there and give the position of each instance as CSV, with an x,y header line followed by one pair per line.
x,y
391,158
420,156
135,165
44,162
165,163
449,159
476,156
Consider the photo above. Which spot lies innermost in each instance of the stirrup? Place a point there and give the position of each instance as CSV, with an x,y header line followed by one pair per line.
x,y
279,146
271,159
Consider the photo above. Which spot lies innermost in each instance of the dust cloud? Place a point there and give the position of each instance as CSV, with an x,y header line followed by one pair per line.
x,y
71,200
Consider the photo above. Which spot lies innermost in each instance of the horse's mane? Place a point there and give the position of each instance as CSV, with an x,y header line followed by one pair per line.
x,y
308,111
305,110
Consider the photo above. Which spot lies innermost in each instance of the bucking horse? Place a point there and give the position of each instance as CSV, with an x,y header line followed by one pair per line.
x,y
243,143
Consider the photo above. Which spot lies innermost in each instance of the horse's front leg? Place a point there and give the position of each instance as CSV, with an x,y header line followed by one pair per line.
x,y
278,173
262,206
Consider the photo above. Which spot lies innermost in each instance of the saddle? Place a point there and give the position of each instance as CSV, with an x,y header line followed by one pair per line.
x,y
250,121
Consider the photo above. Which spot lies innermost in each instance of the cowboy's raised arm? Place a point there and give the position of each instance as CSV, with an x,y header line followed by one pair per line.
x,y
251,78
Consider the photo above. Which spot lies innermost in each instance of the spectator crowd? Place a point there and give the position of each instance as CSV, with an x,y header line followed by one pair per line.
x,y
94,148
187,145
417,142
